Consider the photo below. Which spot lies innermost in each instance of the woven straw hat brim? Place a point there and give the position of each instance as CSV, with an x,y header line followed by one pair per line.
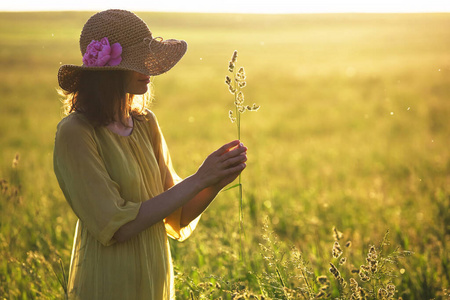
x,y
151,59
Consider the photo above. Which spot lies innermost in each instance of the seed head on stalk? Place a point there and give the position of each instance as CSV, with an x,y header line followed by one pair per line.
x,y
232,62
235,85
236,82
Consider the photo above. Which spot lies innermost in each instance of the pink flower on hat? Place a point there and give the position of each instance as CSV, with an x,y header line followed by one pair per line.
x,y
100,53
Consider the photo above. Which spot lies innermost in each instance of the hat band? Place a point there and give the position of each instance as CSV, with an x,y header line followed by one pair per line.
x,y
149,41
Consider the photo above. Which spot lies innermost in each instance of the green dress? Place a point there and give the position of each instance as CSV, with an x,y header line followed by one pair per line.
x,y
105,177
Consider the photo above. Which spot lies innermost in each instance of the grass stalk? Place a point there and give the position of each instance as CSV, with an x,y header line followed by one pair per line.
x,y
235,85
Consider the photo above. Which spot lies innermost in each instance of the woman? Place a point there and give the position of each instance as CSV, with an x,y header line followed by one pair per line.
x,y
114,168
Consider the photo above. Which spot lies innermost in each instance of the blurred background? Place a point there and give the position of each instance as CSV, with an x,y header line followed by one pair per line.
x,y
352,134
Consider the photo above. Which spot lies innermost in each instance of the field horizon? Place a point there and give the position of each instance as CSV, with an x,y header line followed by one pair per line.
x,y
351,142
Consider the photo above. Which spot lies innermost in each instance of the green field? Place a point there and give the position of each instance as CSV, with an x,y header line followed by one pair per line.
x,y
353,133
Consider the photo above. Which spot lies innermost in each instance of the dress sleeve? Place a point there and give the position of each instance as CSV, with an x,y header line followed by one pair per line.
x,y
169,178
87,186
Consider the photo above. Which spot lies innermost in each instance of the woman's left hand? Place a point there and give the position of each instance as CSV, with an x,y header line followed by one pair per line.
x,y
231,177
218,170
222,166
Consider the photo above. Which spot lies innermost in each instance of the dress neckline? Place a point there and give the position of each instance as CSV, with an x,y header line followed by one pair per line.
x,y
133,125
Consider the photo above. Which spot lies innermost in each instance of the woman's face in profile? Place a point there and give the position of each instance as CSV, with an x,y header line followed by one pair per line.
x,y
136,83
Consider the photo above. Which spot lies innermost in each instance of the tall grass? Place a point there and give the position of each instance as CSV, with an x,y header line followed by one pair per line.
x,y
353,135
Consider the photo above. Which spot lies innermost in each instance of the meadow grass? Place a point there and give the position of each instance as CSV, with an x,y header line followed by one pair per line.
x,y
353,133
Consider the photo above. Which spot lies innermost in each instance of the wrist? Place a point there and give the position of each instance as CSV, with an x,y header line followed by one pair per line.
x,y
216,188
197,183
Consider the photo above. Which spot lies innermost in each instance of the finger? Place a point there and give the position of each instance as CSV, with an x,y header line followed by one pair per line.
x,y
235,160
233,172
235,152
225,148
236,169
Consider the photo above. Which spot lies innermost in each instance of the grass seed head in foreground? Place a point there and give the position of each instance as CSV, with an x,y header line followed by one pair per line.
x,y
374,280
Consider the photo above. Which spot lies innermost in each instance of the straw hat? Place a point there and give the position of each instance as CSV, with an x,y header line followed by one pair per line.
x,y
131,47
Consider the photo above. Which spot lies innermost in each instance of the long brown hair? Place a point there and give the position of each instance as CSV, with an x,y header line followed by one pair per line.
x,y
100,96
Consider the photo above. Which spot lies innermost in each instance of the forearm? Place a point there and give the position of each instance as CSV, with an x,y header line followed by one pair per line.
x,y
197,205
156,209
194,193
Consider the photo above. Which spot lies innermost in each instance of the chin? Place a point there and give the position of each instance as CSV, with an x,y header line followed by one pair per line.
x,y
140,91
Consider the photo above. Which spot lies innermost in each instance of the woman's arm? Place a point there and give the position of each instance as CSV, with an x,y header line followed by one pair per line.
x,y
194,193
194,207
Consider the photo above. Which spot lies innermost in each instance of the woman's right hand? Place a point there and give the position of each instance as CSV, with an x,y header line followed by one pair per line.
x,y
223,165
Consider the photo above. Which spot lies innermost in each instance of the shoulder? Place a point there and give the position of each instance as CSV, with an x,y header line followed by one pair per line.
x,y
149,115
74,126
149,119
150,125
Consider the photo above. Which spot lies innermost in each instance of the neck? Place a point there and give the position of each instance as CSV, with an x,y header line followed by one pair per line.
x,y
121,129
